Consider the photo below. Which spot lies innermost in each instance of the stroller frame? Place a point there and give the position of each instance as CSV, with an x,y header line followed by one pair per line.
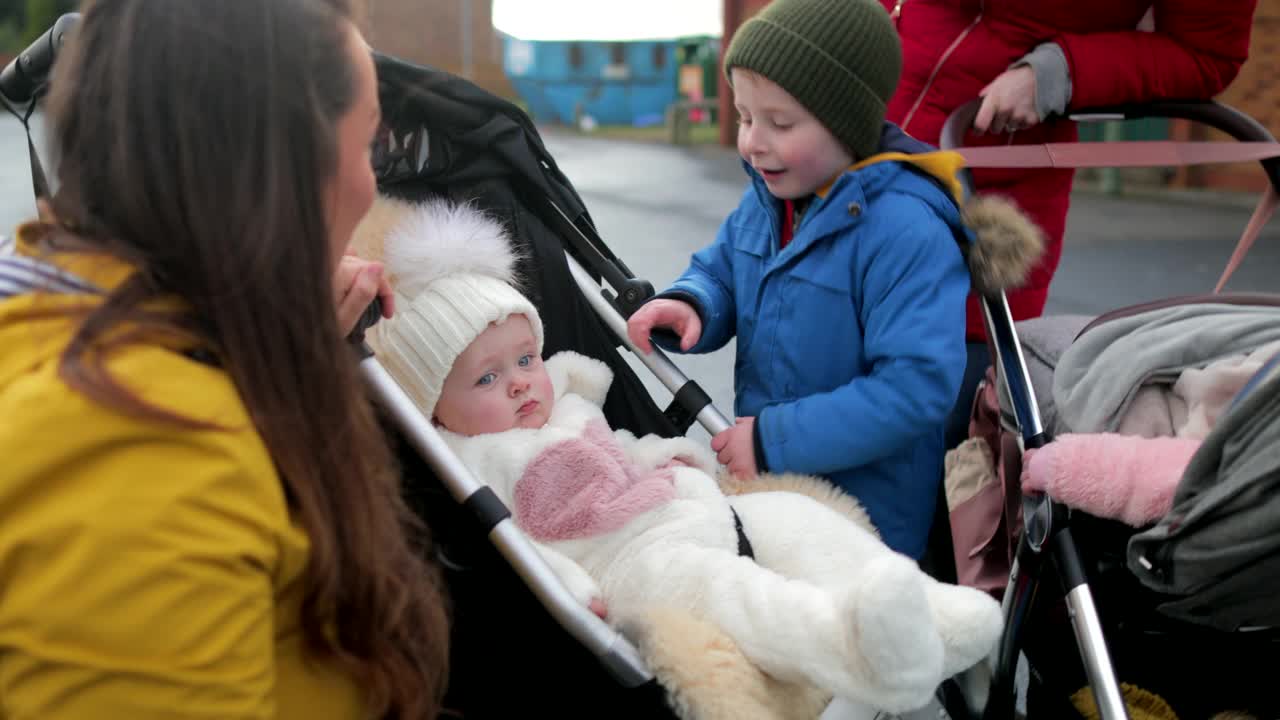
x,y
1047,534
1047,524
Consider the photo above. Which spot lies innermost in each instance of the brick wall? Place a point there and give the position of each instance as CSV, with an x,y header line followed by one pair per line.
x,y
736,12
1255,91
430,32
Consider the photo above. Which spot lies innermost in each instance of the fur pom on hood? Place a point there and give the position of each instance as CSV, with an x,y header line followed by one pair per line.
x,y
1006,243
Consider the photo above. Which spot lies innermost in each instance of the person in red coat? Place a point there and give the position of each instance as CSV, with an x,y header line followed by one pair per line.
x,y
1033,60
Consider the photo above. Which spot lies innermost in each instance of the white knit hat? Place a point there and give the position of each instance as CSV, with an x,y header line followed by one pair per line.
x,y
453,270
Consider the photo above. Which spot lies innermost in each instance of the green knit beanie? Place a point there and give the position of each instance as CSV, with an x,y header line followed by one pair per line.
x,y
839,58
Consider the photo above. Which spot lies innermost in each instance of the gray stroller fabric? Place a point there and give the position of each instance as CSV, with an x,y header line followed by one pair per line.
x,y
1043,341
1219,546
1098,375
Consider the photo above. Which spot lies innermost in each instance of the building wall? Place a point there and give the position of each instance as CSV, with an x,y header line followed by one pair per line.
x,y
736,12
430,32
615,83
1256,92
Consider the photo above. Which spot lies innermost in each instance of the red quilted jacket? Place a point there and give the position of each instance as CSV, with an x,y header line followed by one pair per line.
x,y
953,48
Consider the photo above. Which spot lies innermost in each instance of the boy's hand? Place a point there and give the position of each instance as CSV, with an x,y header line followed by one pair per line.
x,y
735,448
679,316
355,284
1009,102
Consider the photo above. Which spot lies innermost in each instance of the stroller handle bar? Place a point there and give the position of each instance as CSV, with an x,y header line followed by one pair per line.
x,y
662,367
690,401
24,76
1206,112
613,651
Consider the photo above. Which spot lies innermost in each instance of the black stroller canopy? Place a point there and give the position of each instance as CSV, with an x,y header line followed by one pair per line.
x,y
446,129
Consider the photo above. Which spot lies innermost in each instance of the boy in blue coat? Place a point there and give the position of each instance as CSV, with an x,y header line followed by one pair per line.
x,y
840,272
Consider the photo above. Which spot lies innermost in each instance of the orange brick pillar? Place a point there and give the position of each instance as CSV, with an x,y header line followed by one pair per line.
x,y
1254,92
736,12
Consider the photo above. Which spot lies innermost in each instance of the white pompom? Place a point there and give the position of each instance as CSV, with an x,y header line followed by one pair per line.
x,y
439,238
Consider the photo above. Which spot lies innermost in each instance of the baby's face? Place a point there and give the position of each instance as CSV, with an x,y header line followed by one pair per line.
x,y
497,383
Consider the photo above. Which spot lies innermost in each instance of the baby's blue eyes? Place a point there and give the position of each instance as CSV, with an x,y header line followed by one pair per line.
x,y
490,378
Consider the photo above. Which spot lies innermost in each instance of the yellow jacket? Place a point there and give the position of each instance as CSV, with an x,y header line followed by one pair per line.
x,y
146,571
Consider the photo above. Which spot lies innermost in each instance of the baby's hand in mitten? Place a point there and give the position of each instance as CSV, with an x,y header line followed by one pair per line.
x,y
573,576
580,585
598,607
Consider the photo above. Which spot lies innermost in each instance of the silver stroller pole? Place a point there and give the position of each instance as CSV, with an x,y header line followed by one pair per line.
x,y
1044,523
613,651
658,363
1088,632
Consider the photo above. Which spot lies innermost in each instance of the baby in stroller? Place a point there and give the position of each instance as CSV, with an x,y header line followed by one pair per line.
x,y
630,522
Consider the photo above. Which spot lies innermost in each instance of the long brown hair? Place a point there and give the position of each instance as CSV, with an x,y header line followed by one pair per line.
x,y
194,140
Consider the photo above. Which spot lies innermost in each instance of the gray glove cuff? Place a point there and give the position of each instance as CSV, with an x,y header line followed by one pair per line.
x,y
1053,78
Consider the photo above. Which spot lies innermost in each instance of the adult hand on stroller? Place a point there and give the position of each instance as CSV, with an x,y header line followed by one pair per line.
x,y
355,284
1008,102
735,448
674,314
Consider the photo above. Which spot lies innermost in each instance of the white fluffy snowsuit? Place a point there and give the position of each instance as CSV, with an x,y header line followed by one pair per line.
x,y
641,521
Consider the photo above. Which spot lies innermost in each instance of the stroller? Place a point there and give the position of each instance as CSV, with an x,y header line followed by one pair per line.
x,y
1057,552
513,621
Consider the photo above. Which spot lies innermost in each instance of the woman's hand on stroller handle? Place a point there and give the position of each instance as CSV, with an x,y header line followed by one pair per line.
x,y
664,313
1008,102
356,284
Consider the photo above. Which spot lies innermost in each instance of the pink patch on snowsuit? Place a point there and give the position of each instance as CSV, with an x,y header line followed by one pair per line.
x,y
586,486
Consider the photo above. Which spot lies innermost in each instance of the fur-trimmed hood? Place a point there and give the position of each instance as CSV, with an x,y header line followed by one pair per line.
x,y
1004,243
587,377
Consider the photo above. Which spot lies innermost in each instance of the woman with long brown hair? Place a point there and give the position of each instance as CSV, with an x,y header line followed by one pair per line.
x,y
198,512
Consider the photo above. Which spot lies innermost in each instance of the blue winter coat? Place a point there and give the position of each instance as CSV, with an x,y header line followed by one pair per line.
x,y
851,339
